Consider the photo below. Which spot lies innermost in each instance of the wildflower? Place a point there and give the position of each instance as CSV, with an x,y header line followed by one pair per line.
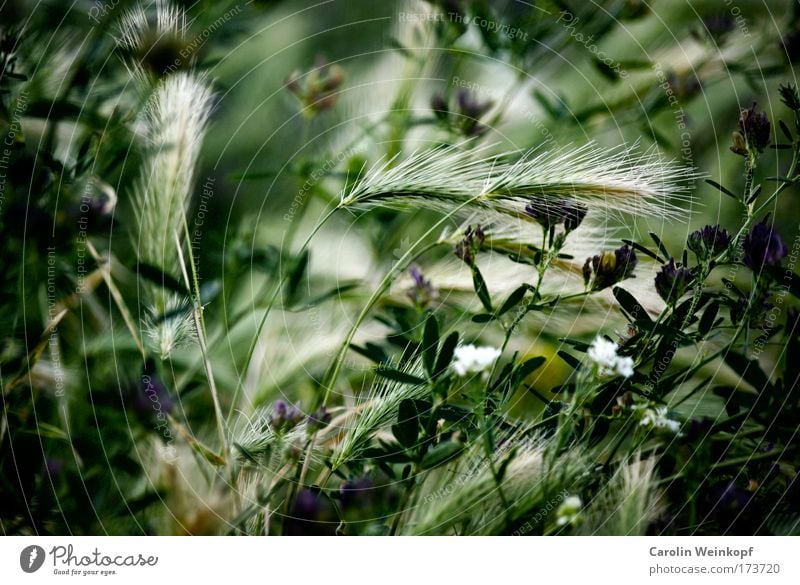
x,y
603,353
610,268
318,420
469,247
763,246
550,212
673,281
789,96
470,359
357,492
472,110
422,292
708,242
568,512
317,90
152,397
656,418
285,416
754,132
440,107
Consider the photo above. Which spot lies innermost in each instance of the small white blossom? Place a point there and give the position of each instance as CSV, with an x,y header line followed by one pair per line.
x,y
569,510
603,353
656,418
470,359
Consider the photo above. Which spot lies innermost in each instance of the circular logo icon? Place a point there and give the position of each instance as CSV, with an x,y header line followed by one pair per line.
x,y
31,558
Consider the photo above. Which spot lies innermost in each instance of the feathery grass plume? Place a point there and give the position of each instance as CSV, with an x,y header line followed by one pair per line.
x,y
628,503
175,120
475,506
613,180
377,411
152,44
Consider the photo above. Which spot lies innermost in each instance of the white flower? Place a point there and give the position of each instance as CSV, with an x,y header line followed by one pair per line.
x,y
569,511
604,355
657,418
470,359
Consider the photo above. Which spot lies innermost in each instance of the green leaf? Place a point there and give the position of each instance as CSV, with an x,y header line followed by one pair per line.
x,y
430,343
446,354
406,431
748,370
398,376
788,278
513,300
635,312
570,359
707,320
371,351
161,278
727,192
526,368
483,318
295,275
660,245
481,289
644,251
442,453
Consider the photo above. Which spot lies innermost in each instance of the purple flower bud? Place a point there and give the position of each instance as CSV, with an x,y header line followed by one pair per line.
x,y
755,128
357,493
550,212
709,241
763,246
422,292
467,249
152,397
609,268
285,417
440,107
318,420
673,281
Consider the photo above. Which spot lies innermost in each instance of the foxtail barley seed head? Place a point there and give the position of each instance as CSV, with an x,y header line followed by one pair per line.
x,y
615,181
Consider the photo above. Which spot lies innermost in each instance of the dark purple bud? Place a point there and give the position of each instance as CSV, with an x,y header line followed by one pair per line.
x,y
422,292
789,96
467,249
440,107
610,268
318,420
472,110
53,466
763,246
550,212
285,416
357,493
709,242
755,128
673,281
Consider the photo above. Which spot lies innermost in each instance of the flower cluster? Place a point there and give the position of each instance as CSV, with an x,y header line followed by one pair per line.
x,y
568,512
603,354
763,246
673,281
470,360
551,213
754,133
608,269
317,90
422,293
708,242
467,249
285,416
656,418
469,111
